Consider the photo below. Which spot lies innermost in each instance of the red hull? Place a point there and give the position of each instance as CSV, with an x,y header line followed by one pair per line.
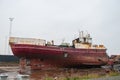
x,y
61,56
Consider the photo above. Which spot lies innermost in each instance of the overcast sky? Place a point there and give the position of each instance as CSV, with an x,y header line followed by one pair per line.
x,y
62,19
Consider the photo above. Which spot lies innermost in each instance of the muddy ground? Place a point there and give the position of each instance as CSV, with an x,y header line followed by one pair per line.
x,y
7,67
59,73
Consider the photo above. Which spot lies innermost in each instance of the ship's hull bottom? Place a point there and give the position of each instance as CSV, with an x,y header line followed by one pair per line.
x,y
38,64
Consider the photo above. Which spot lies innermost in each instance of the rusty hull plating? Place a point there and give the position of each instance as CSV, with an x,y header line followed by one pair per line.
x,y
38,54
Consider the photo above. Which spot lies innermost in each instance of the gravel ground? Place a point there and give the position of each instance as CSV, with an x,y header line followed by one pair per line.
x,y
108,78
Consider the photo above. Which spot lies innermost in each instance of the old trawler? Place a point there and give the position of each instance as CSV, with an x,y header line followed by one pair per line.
x,y
39,53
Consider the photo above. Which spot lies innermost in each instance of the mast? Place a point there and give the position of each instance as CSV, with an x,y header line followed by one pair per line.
x,y
10,30
81,36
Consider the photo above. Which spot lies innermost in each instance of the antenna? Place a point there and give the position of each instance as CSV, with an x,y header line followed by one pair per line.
x,y
80,36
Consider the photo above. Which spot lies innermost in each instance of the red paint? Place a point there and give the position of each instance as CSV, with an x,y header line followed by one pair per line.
x,y
60,56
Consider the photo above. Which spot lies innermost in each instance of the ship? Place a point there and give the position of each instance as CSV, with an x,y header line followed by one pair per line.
x,y
39,53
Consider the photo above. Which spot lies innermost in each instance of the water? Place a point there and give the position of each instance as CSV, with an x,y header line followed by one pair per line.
x,y
14,76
